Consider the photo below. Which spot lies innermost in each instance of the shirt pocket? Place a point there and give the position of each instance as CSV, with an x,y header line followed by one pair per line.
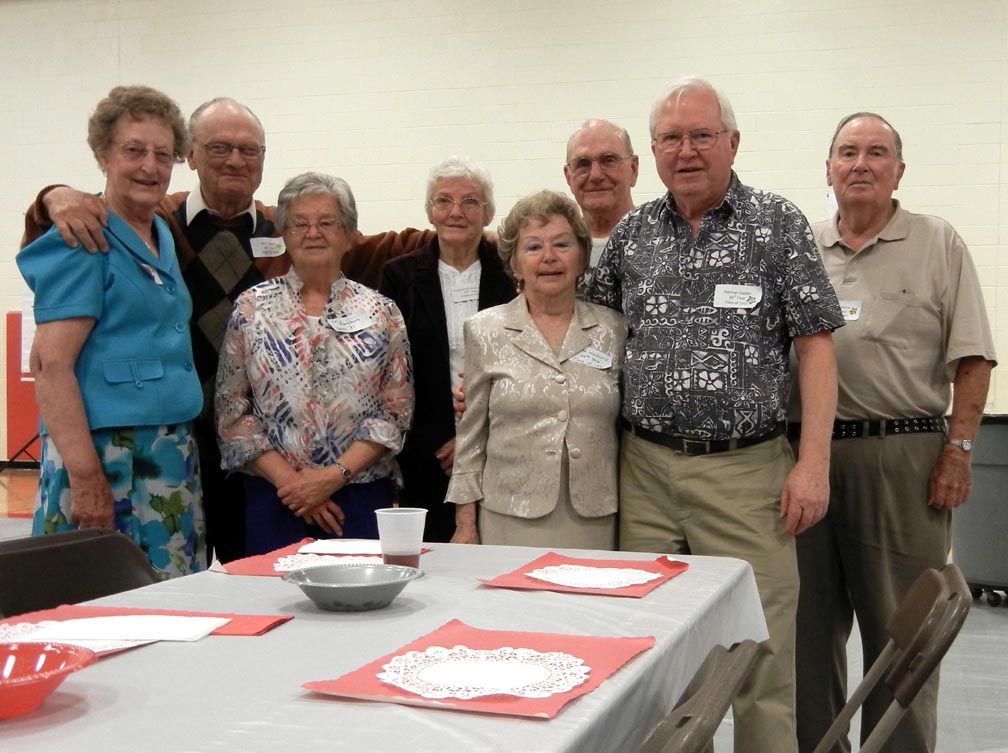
x,y
894,318
137,371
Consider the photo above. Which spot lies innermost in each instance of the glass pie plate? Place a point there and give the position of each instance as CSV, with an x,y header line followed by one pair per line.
x,y
464,673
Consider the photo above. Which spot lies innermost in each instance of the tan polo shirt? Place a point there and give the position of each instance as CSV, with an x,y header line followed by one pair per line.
x,y
913,307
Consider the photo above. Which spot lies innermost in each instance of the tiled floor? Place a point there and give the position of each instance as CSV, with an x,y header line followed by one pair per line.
x,y
973,714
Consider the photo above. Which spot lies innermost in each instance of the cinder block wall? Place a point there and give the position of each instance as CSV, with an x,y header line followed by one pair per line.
x,y
378,91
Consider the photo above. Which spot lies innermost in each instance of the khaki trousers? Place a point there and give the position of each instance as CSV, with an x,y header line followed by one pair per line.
x,y
726,504
877,537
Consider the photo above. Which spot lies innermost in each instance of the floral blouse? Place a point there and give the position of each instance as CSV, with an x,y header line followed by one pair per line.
x,y
310,388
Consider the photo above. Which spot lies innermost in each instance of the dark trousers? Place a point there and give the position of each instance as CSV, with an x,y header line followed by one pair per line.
x,y
271,525
860,560
425,485
223,498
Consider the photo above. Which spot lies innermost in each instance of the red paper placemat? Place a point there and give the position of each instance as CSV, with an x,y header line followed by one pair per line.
x,y
663,566
603,655
262,564
265,564
240,624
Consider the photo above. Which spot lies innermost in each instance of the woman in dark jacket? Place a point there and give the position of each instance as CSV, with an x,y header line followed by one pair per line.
x,y
437,287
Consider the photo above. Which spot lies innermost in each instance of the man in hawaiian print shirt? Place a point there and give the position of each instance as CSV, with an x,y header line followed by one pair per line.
x,y
717,281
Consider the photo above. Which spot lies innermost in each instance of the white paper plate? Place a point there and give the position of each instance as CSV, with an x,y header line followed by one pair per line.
x,y
583,576
342,546
297,561
27,631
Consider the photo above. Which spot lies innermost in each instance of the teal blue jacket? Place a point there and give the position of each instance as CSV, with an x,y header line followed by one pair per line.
x,y
136,367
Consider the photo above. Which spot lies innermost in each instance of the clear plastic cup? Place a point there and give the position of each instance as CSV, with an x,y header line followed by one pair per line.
x,y
400,530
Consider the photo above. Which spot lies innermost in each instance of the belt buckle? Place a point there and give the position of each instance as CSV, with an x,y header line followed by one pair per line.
x,y
702,446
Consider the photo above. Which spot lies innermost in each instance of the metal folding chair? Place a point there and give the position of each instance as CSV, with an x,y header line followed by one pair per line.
x,y
40,572
690,726
921,631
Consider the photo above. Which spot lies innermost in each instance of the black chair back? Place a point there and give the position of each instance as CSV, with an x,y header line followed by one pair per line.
x,y
41,572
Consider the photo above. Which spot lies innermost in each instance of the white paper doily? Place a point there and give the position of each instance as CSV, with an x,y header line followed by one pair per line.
x,y
464,673
297,561
25,631
583,576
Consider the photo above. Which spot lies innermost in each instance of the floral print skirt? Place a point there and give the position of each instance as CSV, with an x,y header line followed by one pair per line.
x,y
154,475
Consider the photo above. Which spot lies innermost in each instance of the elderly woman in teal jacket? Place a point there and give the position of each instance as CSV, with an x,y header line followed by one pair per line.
x,y
112,357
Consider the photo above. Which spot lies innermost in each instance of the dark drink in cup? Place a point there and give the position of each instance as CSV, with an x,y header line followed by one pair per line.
x,y
400,530
408,560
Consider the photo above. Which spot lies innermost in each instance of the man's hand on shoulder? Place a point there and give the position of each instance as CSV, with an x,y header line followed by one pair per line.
x,y
79,217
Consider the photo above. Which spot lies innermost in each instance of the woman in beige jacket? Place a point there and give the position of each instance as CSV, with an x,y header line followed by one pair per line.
x,y
536,450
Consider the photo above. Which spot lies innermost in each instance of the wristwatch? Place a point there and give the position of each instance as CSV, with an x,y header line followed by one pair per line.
x,y
966,445
347,475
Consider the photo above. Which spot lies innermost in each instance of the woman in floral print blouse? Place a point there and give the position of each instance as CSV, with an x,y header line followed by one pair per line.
x,y
314,391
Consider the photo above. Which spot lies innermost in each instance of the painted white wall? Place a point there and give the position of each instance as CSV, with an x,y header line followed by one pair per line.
x,y
378,91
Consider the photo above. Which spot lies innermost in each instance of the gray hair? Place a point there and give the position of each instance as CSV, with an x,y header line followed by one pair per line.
x,y
462,167
542,206
897,141
313,184
621,133
692,84
199,111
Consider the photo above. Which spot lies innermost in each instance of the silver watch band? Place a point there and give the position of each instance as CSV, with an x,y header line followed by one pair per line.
x,y
966,445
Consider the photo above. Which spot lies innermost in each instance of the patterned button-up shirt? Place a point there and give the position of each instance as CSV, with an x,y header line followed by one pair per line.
x,y
309,390
712,316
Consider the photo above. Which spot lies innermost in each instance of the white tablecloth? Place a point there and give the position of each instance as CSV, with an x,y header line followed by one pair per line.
x,y
231,694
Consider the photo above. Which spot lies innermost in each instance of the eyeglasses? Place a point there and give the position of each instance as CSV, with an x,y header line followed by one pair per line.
x,y
468,205
223,150
301,225
583,165
134,151
701,139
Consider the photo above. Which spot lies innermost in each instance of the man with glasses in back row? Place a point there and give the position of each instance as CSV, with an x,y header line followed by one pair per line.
x,y
601,168
717,281
226,242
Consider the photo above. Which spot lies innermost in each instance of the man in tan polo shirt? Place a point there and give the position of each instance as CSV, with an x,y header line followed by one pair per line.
x,y
915,326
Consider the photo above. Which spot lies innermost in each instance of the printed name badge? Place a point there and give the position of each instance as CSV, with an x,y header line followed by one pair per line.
x,y
592,356
152,273
851,310
467,294
737,296
267,248
350,322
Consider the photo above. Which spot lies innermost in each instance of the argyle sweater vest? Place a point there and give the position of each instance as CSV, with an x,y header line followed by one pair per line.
x,y
218,266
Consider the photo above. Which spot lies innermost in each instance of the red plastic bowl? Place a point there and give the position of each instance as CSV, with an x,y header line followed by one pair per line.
x,y
30,672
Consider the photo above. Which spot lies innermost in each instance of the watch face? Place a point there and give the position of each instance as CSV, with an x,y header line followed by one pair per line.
x,y
967,444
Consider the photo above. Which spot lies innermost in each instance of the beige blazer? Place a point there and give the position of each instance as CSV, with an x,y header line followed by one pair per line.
x,y
526,405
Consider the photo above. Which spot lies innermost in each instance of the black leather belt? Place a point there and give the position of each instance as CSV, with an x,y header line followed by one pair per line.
x,y
879,427
689,446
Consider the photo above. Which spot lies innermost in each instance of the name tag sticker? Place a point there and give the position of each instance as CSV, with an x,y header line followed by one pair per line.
x,y
267,248
152,273
592,356
851,310
737,296
467,294
350,322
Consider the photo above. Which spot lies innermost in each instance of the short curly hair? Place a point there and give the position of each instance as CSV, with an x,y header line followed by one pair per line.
x,y
136,103
317,184
542,206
